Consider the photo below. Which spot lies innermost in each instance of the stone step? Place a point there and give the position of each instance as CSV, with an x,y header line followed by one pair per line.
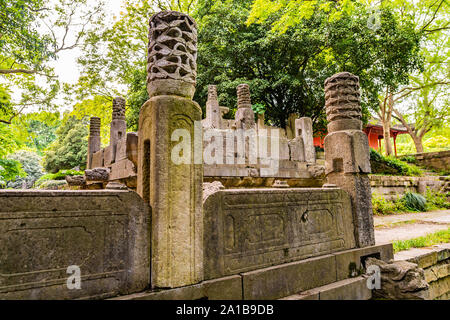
x,y
348,289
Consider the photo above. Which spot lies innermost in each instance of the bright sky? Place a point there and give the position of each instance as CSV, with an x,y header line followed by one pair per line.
x,y
66,66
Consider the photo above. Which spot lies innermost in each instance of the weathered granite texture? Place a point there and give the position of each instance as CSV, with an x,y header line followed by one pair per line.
x,y
105,233
173,190
347,162
400,280
247,229
172,55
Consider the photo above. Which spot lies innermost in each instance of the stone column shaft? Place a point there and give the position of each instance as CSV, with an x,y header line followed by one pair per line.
x,y
173,190
347,162
118,124
94,142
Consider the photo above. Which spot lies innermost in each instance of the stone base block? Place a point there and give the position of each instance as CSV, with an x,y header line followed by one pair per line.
x,y
348,289
287,279
106,234
228,288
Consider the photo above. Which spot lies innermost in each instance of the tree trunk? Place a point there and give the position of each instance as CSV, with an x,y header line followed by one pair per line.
x,y
387,137
418,144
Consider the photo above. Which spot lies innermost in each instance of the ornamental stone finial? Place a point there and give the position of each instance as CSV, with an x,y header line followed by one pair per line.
x,y
342,102
172,55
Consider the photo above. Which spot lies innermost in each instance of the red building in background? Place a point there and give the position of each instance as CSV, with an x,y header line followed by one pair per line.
x,y
374,133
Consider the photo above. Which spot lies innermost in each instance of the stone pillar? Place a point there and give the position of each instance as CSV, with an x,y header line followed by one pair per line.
x,y
213,114
94,143
261,121
304,130
118,123
173,189
245,117
346,147
290,126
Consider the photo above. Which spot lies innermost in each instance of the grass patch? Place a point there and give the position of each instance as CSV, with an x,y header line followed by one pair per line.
x,y
442,236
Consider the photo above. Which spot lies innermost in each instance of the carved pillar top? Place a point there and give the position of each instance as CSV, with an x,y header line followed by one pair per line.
x,y
243,96
118,108
94,126
342,102
172,55
212,93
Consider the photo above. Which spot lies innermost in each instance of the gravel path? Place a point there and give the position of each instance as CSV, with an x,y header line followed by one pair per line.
x,y
409,226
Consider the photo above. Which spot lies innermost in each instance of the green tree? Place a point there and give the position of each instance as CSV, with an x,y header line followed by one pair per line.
x,y
98,106
69,150
33,34
9,169
36,130
30,162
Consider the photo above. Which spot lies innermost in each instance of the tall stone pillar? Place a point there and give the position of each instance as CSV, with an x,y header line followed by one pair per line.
x,y
347,162
118,124
304,130
245,116
213,114
94,143
173,189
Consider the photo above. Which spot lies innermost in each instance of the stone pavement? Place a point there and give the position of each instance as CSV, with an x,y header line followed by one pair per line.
x,y
410,225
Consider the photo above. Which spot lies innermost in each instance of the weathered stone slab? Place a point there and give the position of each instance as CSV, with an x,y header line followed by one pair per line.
x,y
304,130
97,174
349,263
227,288
287,279
254,228
122,169
348,289
109,154
126,148
42,233
97,159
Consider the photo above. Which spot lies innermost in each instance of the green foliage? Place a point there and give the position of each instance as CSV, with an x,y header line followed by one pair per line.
x,y
33,34
100,107
436,200
52,185
437,139
414,201
9,171
420,242
60,175
70,148
30,163
409,159
381,206
389,165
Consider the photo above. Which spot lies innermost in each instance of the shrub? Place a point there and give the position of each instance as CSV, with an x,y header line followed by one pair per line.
x,y
414,201
53,184
60,175
436,200
30,163
409,159
381,206
391,166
